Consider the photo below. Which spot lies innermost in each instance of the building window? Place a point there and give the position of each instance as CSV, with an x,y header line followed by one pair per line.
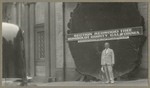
x,y
41,46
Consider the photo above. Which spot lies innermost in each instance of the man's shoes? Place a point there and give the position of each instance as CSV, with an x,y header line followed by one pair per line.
x,y
112,82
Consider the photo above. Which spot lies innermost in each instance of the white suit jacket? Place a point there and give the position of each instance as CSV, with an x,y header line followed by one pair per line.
x,y
107,57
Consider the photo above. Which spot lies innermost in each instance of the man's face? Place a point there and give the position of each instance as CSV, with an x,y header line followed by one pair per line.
x,y
106,45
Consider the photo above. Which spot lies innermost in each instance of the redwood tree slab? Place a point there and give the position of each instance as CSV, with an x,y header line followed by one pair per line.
x,y
88,17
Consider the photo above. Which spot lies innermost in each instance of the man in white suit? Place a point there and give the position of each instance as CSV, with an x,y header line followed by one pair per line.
x,y
107,62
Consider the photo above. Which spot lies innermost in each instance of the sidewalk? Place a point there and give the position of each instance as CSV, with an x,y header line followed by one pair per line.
x,y
141,82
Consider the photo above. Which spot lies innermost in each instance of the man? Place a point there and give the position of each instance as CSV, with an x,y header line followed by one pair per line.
x,y
107,62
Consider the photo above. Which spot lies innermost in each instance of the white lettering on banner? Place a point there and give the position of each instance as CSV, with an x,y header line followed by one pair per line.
x,y
103,35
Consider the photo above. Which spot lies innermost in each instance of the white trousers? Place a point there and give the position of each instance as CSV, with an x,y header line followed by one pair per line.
x,y
108,70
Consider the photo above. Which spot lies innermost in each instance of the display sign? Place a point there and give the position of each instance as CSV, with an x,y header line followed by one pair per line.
x,y
112,34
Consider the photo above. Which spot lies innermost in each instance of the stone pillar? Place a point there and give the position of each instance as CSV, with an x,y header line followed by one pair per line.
x,y
25,27
50,42
31,34
143,8
59,42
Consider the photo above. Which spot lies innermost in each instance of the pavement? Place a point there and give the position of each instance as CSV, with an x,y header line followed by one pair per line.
x,y
140,82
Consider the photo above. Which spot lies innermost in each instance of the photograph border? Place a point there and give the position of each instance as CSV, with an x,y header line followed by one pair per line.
x,y
1,1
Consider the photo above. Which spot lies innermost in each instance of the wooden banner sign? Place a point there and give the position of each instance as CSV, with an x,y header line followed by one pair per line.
x,y
112,34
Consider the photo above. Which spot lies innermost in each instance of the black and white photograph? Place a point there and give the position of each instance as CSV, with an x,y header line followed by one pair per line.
x,y
75,43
